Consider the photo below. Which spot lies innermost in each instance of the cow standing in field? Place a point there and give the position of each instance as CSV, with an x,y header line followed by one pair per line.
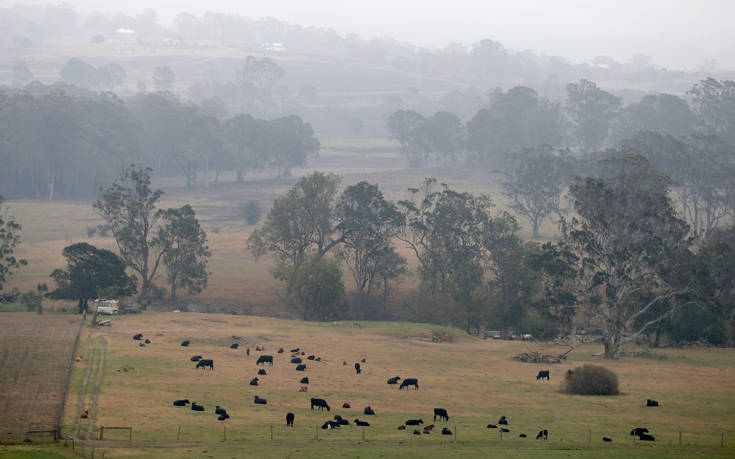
x,y
650,402
409,382
542,435
357,368
289,419
319,403
265,359
442,413
206,363
543,374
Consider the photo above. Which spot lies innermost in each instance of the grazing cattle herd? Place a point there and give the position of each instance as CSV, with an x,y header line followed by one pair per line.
x,y
320,404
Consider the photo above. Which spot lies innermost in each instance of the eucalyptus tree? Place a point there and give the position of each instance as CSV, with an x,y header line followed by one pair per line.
x,y
367,225
626,237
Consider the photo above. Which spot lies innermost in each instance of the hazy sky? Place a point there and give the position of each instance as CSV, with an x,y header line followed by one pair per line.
x,y
675,33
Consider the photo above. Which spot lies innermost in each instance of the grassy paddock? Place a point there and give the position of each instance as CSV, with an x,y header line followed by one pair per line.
x,y
473,379
34,357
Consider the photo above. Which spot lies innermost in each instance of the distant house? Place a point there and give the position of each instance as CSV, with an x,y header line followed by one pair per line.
x,y
278,47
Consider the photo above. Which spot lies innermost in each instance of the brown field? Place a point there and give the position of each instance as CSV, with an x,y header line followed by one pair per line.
x,y
474,379
35,352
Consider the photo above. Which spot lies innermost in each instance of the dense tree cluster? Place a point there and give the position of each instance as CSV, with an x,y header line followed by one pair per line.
x,y
589,120
625,262
60,141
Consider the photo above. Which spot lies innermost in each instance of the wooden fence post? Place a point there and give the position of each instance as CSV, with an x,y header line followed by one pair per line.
x,y
271,432
680,437
178,433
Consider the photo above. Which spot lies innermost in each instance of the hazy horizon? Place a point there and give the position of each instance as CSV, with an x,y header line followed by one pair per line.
x,y
677,34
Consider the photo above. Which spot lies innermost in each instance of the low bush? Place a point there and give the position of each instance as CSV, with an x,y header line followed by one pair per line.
x,y
591,380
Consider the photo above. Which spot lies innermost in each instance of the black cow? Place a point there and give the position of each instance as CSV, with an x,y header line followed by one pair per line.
x,y
416,432
346,405
410,382
220,411
442,413
254,382
413,422
304,380
492,426
196,407
280,350
401,427
503,421
259,348
319,403
196,358
262,372
543,374
311,357
542,434
295,350
265,359
638,430
646,437
141,344
223,417
296,360
318,359
289,419
138,337
185,343
341,421
446,431
234,345
301,367
503,429
606,439
147,341
394,380
260,401
650,402
330,425
206,363
362,423
368,411
181,402
523,435
357,368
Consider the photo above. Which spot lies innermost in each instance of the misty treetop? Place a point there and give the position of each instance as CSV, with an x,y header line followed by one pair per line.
x,y
61,141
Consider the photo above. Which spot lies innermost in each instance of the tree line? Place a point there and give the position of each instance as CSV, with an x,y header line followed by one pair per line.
x,y
58,141
589,119
625,261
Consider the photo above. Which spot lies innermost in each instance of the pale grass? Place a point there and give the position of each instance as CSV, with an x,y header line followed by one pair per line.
x,y
474,379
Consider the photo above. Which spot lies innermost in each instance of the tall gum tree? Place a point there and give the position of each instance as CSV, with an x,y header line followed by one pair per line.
x,y
626,236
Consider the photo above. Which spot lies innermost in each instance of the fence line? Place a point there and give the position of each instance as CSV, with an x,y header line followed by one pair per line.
x,y
68,373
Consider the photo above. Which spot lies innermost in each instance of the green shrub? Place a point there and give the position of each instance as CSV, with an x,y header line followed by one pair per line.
x,y
251,212
591,380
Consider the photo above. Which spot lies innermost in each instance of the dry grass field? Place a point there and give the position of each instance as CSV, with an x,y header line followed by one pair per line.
x,y
473,379
34,358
